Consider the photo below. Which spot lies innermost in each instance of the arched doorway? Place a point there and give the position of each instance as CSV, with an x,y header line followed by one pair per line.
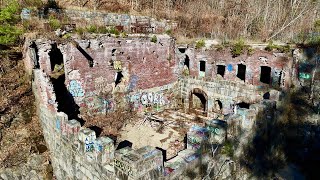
x,y
198,102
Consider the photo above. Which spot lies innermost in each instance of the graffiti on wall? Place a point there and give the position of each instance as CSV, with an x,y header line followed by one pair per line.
x,y
101,85
96,105
196,138
276,77
117,65
133,82
75,88
123,166
148,101
89,145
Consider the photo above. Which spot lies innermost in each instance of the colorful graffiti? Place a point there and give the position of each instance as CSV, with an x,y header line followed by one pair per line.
x,y
133,82
148,101
89,145
196,138
76,89
117,65
217,131
304,75
123,166
97,105
152,98
229,67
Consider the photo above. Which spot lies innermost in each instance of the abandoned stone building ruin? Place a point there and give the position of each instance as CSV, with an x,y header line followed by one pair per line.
x,y
205,93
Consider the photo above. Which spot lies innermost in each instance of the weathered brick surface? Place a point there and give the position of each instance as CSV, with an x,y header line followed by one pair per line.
x,y
149,69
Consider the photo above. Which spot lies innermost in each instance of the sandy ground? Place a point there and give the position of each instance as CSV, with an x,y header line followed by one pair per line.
x,y
144,134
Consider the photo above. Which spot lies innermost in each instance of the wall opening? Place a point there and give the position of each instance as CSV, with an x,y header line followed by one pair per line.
x,y
182,50
36,55
113,52
202,66
265,76
202,69
66,102
217,108
243,105
119,77
198,102
279,80
56,57
266,95
221,70
187,61
241,74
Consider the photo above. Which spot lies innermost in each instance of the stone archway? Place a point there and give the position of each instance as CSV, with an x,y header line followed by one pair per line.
x,y
199,107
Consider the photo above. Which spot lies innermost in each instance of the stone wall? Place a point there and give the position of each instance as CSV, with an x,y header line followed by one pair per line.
x,y
224,91
129,23
150,76
108,65
77,153
281,66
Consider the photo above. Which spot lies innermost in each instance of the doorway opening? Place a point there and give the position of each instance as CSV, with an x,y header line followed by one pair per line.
x,y
265,76
241,74
221,70
187,61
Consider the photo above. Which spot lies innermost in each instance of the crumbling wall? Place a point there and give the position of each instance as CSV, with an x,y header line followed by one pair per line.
x,y
279,63
149,79
129,23
77,153
106,65
228,93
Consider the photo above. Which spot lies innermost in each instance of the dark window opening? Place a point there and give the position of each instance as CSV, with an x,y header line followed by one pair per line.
x,y
187,61
241,72
265,75
182,50
279,80
118,78
203,66
219,103
36,55
56,57
113,52
221,70
243,105
266,95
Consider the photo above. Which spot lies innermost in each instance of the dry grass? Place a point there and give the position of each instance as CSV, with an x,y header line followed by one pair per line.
x,y
20,128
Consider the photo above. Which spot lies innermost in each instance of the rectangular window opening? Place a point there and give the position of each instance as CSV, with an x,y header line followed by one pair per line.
x,y
265,76
221,70
241,72
203,66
